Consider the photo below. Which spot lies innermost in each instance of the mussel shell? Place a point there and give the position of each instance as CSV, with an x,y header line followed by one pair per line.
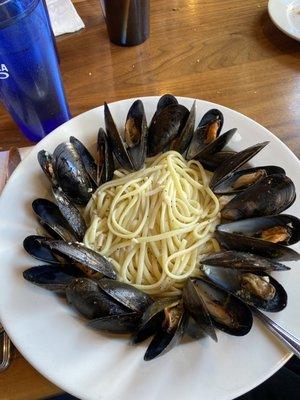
x,y
116,141
127,295
86,158
271,195
152,319
52,220
226,186
165,101
86,296
70,212
182,141
239,236
238,311
34,245
199,139
212,161
71,174
82,255
136,127
105,161
167,338
236,161
52,277
216,146
120,323
193,330
196,307
242,261
165,126
229,280
46,162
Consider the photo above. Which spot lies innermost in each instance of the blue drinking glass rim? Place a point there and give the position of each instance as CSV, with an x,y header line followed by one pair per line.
x,y
10,20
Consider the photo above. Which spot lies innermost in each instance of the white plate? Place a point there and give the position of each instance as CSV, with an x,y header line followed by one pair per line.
x,y
94,366
286,16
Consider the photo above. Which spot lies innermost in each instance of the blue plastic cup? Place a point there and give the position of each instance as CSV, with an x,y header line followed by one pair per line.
x,y
31,87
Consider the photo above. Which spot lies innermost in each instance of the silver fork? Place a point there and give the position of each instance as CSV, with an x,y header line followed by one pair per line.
x,y
5,345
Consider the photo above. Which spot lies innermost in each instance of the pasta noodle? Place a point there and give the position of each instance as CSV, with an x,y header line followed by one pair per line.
x,y
155,223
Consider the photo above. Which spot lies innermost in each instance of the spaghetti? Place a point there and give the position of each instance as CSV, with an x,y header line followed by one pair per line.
x,y
154,224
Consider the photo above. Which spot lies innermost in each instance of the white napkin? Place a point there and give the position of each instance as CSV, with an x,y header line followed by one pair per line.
x,y
64,17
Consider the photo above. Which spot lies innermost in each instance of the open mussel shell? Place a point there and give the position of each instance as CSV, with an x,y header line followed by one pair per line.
x,y
52,277
116,141
212,161
131,297
85,295
242,261
169,333
241,180
152,319
264,293
34,245
52,220
270,195
228,313
70,212
86,158
165,101
265,236
83,256
181,142
165,126
230,165
135,134
46,162
197,309
105,159
71,174
119,323
207,132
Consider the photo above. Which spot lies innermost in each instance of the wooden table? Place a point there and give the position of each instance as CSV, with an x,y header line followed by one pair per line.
x,y
226,52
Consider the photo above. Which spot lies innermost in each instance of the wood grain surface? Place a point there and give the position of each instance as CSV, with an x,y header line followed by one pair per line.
x,y
228,52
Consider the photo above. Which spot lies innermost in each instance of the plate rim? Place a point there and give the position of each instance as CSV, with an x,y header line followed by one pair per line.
x,y
288,354
273,4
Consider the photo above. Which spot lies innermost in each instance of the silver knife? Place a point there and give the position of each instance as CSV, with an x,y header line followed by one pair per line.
x,y
13,161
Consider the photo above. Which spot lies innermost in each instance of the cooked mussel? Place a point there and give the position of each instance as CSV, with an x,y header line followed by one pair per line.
x,y
82,256
197,309
87,297
105,159
46,162
71,174
52,220
259,290
265,236
241,180
169,333
241,260
135,134
70,212
212,161
52,277
226,312
34,245
165,101
229,166
86,158
206,133
165,126
182,141
270,195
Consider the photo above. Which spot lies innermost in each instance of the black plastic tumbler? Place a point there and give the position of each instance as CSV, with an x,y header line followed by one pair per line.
x,y
127,21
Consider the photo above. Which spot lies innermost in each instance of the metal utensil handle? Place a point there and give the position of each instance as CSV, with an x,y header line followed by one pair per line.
x,y
5,352
287,338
